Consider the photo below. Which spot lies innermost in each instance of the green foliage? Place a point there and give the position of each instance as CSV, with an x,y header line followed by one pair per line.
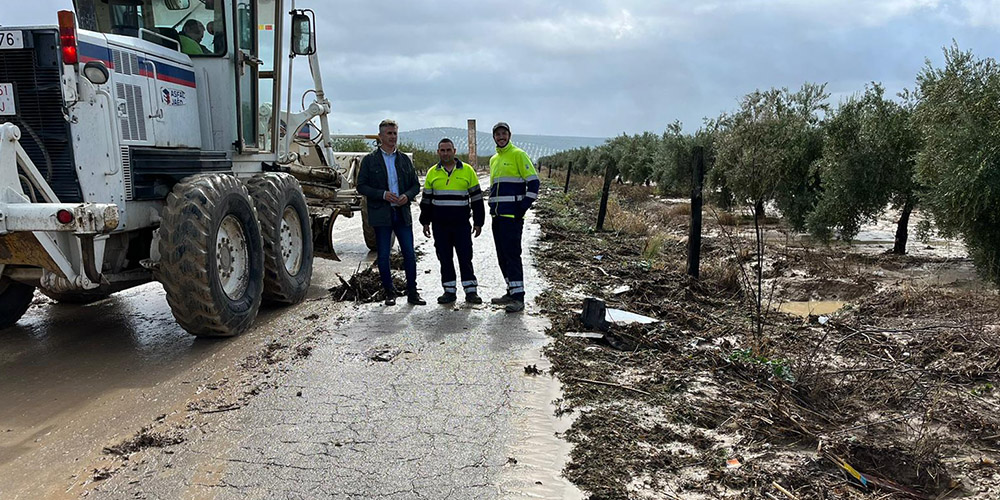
x,y
959,164
777,367
868,162
422,159
353,145
764,150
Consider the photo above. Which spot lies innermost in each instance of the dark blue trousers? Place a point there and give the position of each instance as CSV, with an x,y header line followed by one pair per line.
x,y
507,237
451,239
404,235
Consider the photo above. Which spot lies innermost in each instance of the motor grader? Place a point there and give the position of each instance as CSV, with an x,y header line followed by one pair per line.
x,y
148,140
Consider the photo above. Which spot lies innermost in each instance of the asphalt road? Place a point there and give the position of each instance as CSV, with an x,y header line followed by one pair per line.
x,y
394,402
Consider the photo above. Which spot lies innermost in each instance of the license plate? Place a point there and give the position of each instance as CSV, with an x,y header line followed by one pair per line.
x,y
11,40
6,99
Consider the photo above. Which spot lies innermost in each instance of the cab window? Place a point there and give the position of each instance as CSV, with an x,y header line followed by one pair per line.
x,y
194,27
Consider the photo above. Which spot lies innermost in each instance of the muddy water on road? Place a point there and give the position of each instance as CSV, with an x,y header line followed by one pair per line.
x,y
78,378
74,379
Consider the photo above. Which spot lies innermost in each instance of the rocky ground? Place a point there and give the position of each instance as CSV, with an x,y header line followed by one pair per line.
x,y
891,396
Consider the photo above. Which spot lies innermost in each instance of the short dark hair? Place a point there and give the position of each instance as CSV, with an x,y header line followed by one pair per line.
x,y
442,141
387,123
191,25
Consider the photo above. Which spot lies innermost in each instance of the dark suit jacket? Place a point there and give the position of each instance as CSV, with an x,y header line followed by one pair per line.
x,y
373,182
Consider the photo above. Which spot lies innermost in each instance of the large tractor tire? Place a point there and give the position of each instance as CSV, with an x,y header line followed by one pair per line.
x,y
369,231
211,255
287,234
78,297
15,298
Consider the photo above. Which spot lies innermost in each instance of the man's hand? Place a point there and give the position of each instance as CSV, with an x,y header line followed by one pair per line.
x,y
401,200
427,230
391,198
476,231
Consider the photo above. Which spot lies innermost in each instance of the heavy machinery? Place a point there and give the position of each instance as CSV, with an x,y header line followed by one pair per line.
x,y
145,140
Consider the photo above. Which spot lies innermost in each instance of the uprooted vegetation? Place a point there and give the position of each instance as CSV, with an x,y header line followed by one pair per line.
x,y
143,439
365,286
891,397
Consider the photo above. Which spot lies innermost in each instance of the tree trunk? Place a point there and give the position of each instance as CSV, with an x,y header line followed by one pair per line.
x,y
758,215
902,229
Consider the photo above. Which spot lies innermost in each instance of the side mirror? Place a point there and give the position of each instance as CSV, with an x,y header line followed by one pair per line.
x,y
303,38
177,4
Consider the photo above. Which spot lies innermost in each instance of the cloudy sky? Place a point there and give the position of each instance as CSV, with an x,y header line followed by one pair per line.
x,y
603,67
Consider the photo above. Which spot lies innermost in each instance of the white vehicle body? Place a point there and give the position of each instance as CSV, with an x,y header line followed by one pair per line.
x,y
110,152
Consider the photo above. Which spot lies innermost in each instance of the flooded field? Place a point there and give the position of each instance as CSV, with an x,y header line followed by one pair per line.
x,y
867,375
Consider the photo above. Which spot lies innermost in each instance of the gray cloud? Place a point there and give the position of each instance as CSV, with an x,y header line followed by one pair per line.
x,y
600,68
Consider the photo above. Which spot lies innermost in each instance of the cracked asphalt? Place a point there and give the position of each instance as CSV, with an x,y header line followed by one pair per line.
x,y
392,402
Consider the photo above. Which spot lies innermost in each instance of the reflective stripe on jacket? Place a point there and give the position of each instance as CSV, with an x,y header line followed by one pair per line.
x,y
513,182
448,197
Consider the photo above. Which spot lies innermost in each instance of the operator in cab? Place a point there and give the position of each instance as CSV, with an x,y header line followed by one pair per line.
x,y
190,38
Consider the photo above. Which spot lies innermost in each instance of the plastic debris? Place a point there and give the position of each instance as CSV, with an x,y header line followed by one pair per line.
x,y
585,335
621,317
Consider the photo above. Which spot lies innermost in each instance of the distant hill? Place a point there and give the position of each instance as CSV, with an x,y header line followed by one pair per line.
x,y
535,145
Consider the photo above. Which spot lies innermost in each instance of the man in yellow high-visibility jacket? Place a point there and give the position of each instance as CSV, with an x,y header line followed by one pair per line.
x,y
451,191
513,188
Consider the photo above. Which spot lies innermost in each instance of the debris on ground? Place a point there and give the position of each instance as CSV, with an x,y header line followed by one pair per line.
x,y
585,335
365,286
102,473
385,353
622,317
145,438
396,259
892,396
532,370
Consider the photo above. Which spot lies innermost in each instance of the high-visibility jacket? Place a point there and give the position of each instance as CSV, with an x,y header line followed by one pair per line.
x,y
513,182
448,197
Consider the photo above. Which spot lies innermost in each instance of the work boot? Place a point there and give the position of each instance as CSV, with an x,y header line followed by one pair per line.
x,y
473,298
514,306
503,300
390,298
447,298
414,299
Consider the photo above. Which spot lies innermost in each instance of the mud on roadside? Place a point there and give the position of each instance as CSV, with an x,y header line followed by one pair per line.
x,y
230,390
891,397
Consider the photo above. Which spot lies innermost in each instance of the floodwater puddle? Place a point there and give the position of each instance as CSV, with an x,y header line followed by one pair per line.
x,y
538,455
806,308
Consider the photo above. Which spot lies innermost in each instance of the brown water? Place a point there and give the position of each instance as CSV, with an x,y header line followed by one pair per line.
x,y
808,308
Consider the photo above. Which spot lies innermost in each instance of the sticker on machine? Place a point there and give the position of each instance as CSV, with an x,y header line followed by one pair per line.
x,y
172,97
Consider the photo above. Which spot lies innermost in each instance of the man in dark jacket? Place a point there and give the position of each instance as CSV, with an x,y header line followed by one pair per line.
x,y
388,180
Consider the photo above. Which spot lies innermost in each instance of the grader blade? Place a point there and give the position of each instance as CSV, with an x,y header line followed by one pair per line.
x,y
323,236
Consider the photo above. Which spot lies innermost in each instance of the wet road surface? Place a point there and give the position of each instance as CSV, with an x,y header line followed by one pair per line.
x,y
450,415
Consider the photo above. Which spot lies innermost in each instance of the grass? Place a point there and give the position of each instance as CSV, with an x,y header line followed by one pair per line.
x,y
651,249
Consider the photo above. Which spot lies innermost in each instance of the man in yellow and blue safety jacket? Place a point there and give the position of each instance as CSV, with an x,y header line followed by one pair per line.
x,y
513,188
451,191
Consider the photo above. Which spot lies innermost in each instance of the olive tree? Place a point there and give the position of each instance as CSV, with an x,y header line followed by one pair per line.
x,y
762,152
959,163
868,163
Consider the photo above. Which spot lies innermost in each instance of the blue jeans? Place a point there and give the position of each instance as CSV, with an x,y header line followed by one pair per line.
x,y
404,234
